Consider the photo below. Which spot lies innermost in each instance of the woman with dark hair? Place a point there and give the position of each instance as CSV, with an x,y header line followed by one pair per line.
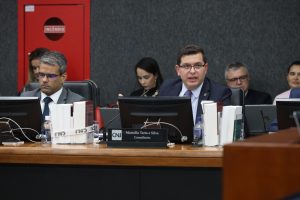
x,y
34,63
148,77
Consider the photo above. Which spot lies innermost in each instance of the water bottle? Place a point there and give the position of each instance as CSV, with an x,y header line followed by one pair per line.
x,y
46,130
96,130
198,132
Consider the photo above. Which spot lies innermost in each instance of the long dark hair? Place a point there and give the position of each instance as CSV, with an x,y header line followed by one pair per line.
x,y
151,66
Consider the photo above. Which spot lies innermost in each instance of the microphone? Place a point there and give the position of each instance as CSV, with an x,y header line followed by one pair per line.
x,y
263,120
145,92
104,128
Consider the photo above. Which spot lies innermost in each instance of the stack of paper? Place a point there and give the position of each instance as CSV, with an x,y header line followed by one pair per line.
x,y
61,117
68,127
231,124
210,120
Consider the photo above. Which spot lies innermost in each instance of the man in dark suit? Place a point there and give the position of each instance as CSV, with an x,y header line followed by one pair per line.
x,y
52,75
192,67
237,76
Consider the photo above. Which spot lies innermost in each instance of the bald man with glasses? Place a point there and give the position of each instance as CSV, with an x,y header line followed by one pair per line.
x,y
237,76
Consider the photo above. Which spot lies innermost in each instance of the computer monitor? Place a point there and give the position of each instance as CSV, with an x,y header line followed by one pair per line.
x,y
19,114
258,118
172,113
111,117
285,109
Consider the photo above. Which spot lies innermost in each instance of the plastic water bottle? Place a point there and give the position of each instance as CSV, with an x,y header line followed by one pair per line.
x,y
198,132
96,130
46,130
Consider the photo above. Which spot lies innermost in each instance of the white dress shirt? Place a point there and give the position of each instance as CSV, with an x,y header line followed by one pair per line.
x,y
54,98
194,98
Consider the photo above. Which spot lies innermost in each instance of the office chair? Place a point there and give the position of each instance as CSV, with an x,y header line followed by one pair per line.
x,y
85,88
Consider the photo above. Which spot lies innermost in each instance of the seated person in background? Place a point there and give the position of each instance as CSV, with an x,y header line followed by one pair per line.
x,y
237,76
148,77
34,63
293,79
294,93
191,68
52,75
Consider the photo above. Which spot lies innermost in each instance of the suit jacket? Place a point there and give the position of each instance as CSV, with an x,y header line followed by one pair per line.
x,y
66,96
256,97
210,91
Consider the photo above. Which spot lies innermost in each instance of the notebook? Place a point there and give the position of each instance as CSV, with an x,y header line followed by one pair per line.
x,y
111,117
258,118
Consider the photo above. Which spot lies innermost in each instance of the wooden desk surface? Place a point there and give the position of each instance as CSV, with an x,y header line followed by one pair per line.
x,y
99,154
264,167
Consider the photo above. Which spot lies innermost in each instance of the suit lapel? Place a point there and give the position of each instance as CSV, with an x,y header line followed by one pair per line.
x,y
177,88
204,95
63,97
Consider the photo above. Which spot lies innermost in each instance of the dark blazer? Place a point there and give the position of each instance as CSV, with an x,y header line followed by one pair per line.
x,y
257,97
210,91
66,96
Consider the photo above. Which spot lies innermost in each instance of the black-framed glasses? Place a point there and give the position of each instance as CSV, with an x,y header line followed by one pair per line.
x,y
51,76
241,78
188,67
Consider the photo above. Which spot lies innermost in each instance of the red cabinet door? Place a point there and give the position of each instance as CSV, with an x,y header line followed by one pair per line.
x,y
56,25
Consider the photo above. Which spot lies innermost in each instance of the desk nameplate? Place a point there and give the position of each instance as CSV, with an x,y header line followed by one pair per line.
x,y
137,138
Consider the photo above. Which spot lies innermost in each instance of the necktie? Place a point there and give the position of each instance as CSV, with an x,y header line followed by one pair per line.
x,y
46,100
188,93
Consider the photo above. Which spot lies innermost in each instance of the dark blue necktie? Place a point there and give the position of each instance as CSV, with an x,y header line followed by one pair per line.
x,y
46,100
188,93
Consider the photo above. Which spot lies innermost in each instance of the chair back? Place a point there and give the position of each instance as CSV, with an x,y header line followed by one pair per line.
x,y
85,88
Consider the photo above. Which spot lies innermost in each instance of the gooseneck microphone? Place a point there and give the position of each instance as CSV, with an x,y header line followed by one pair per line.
x,y
106,126
145,92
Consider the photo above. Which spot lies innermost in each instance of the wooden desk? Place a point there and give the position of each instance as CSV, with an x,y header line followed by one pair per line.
x,y
93,170
263,167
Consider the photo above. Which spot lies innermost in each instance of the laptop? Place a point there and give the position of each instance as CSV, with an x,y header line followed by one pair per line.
x,y
111,117
258,118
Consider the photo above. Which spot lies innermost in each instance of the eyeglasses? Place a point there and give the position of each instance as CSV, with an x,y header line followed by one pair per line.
x,y
241,78
188,67
51,76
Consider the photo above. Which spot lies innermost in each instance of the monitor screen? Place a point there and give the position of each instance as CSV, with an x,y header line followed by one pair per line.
x,y
172,113
285,109
258,118
20,114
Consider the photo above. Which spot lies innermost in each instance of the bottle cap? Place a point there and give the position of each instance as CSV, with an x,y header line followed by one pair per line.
x,y
47,117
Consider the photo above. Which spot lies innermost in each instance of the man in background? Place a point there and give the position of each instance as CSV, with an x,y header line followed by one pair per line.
x,y
191,67
237,76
